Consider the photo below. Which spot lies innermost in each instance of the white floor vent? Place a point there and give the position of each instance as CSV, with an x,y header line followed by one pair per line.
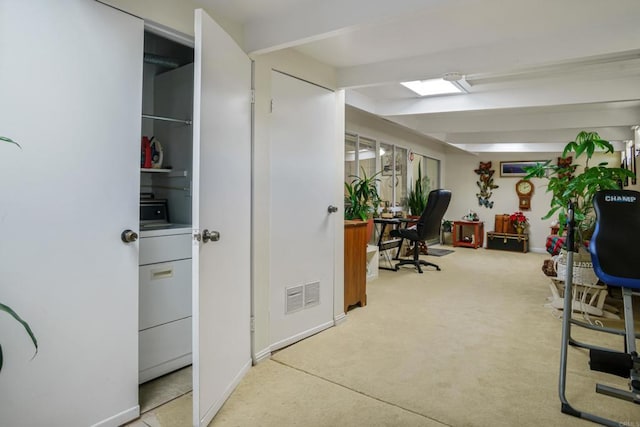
x,y
294,299
312,294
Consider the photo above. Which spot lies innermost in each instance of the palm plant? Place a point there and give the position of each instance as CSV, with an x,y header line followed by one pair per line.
x,y
8,309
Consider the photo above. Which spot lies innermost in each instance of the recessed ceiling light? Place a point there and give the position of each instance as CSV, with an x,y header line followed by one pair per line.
x,y
432,87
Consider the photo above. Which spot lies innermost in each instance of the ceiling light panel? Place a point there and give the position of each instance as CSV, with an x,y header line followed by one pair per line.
x,y
432,87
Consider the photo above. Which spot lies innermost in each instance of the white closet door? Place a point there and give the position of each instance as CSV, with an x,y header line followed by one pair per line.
x,y
221,196
70,94
305,173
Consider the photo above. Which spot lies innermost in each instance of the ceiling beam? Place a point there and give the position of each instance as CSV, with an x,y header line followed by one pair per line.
x,y
541,136
542,94
510,55
521,147
309,21
530,119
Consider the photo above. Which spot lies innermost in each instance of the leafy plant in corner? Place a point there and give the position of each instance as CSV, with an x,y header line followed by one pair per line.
x,y
362,198
579,188
417,199
8,309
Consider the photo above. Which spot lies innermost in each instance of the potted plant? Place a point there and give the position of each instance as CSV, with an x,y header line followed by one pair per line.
x,y
362,199
567,185
6,308
519,221
417,197
447,228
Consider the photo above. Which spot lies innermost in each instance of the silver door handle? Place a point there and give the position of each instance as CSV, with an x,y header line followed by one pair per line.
x,y
207,235
332,209
129,236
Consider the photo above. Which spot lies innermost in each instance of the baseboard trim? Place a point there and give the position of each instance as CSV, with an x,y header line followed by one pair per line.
x,y
340,318
302,335
261,355
120,418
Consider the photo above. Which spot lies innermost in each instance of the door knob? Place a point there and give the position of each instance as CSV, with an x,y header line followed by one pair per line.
x,y
129,236
207,235
332,209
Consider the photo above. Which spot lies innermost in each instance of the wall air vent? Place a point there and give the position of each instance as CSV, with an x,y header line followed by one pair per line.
x,y
294,299
312,294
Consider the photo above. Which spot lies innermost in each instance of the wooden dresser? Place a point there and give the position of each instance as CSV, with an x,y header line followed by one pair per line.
x,y
355,263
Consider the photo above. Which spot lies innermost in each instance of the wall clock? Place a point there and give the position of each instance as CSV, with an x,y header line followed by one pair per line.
x,y
525,191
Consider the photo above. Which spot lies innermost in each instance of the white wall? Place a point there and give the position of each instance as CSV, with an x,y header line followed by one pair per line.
x,y
461,179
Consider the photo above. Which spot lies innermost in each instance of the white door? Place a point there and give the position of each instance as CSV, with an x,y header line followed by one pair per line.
x,y
304,175
70,94
222,204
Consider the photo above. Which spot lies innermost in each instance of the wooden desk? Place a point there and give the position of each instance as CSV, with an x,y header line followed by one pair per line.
x,y
477,235
355,264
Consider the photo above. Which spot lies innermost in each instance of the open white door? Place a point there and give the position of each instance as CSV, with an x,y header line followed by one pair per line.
x,y
70,90
222,203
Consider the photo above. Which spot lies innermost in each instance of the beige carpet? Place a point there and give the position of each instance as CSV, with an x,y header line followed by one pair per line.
x,y
471,345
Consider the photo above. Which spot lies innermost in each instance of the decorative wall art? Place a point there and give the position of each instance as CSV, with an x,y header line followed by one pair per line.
x,y
517,168
567,167
485,184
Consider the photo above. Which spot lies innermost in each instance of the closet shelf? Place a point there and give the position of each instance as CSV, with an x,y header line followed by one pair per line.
x,y
155,170
171,173
166,119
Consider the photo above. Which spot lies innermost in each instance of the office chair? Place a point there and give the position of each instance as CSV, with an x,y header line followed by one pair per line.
x,y
615,261
427,227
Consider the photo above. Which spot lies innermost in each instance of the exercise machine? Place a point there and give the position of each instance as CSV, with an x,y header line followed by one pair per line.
x,y
615,261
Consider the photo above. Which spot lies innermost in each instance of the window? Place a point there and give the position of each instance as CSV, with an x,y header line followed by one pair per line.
x,y
397,174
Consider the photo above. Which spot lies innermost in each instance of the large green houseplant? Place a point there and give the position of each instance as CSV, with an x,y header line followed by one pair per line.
x,y
6,308
566,184
417,197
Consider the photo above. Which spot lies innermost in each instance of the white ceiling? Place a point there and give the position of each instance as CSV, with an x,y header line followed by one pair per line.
x,y
538,71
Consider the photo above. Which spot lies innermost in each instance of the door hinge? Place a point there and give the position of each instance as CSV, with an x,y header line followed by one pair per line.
x,y
271,107
253,324
253,96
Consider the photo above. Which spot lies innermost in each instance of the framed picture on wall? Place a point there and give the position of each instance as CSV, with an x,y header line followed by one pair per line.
x,y
517,169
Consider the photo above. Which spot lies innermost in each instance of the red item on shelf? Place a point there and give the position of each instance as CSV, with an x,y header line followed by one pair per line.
x,y
146,153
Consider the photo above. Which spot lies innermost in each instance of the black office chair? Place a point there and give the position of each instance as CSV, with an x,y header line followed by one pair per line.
x,y
427,227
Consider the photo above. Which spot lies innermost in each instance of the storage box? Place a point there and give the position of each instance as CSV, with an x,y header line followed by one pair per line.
x,y
508,241
502,224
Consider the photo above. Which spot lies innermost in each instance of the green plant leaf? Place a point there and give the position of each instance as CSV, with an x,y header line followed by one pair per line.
x,y
9,140
26,326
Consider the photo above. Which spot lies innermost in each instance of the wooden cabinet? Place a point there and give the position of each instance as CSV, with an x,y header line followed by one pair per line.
x,y
355,263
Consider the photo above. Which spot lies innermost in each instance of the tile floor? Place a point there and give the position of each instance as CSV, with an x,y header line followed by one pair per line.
x,y
154,394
